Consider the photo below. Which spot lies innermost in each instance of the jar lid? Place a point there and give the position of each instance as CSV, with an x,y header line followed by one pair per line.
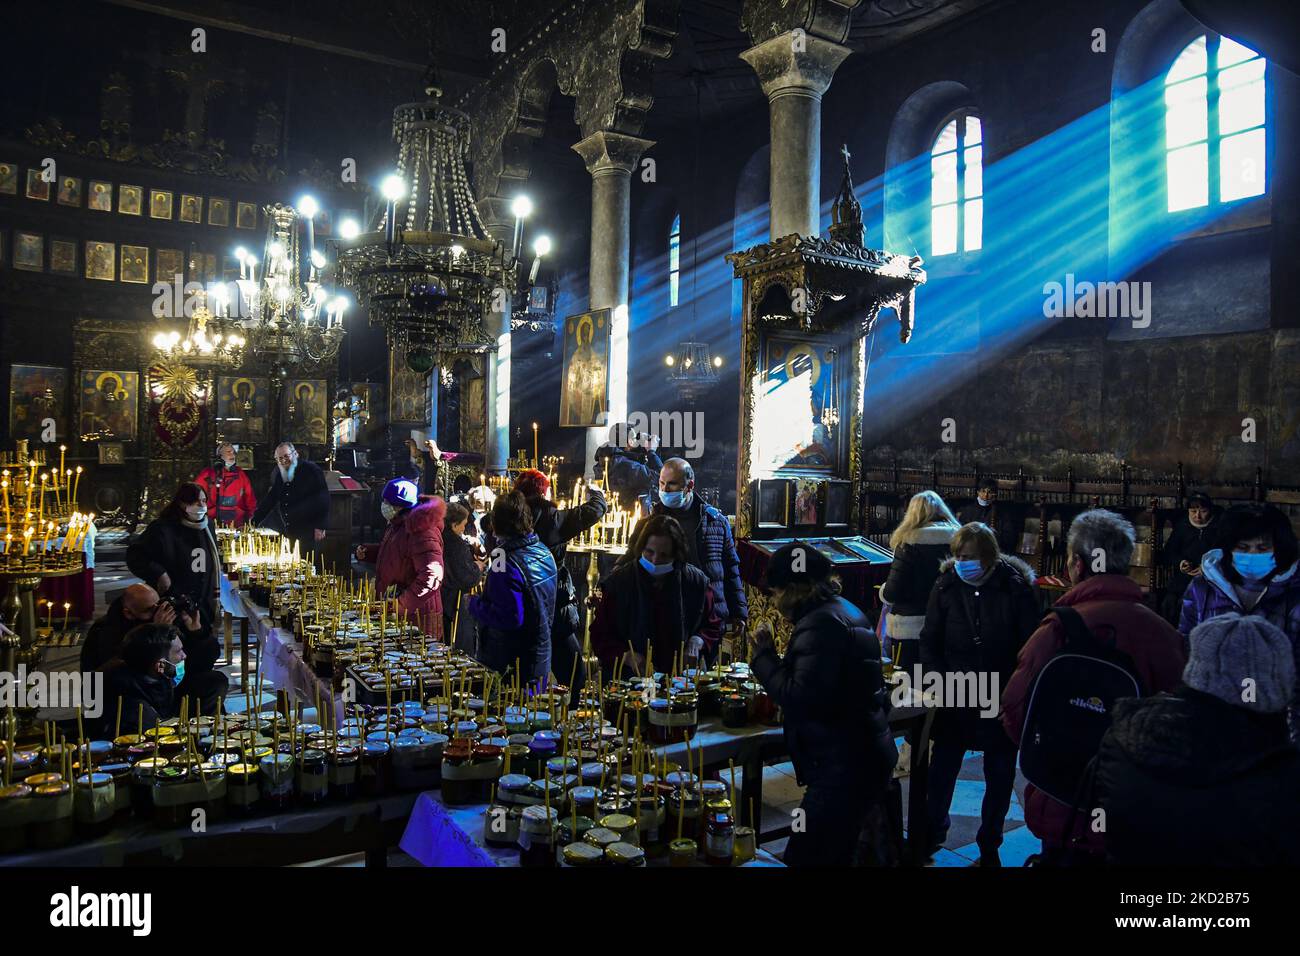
x,y
513,781
44,779
375,748
678,778
582,854
242,770
600,836
555,736
682,847
128,740
543,745
15,791
52,790
540,814
713,788
100,747
486,751
617,821
624,854
658,704
171,774
719,806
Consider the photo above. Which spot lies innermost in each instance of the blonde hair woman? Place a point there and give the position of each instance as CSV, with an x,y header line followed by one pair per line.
x,y
920,545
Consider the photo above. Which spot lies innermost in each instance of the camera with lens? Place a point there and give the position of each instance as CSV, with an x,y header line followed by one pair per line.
x,y
182,604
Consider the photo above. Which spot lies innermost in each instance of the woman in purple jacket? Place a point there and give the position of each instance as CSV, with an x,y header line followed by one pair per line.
x,y
1254,572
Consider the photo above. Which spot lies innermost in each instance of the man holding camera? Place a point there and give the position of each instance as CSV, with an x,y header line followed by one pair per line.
x,y
630,463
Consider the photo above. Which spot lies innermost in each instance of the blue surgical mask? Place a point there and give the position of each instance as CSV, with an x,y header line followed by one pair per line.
x,y
655,570
969,570
673,499
1253,567
177,671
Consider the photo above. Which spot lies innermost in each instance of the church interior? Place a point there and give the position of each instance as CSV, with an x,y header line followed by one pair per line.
x,y
606,433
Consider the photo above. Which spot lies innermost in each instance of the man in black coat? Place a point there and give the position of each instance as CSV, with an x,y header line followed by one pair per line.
x,y
1191,538
1206,775
1006,521
629,462
150,680
831,691
710,545
298,504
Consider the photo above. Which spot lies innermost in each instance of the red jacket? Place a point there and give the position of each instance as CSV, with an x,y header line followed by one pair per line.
x,y
410,556
231,484
1104,601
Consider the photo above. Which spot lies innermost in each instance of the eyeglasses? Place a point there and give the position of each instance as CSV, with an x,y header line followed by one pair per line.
x,y
284,459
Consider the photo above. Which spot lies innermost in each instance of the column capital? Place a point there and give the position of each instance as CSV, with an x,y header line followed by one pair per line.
x,y
795,62
603,151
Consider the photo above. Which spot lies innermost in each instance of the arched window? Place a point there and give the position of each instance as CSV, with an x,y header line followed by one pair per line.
x,y
1214,123
674,258
957,186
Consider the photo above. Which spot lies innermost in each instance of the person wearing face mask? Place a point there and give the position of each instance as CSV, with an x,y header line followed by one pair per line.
x,y
409,559
980,612
1191,538
1099,551
1254,572
515,610
920,544
710,545
654,600
228,488
177,555
151,676
831,691
464,571
137,605
629,463
298,504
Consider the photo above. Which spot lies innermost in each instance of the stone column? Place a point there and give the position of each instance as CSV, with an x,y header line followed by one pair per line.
x,y
610,158
495,211
794,70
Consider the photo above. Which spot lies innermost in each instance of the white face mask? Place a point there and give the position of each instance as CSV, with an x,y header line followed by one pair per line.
x,y
196,512
387,510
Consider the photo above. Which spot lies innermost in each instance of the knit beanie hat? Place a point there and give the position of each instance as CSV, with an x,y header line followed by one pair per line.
x,y
1242,660
401,493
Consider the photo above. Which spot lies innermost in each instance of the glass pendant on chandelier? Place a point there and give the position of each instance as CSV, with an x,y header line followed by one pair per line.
x,y
429,271
692,369
293,325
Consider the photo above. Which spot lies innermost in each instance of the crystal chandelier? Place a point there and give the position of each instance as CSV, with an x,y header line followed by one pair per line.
x,y
291,323
692,369
209,342
430,271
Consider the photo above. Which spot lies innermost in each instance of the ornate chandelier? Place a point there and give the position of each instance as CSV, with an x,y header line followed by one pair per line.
x,y
691,369
210,342
430,271
291,323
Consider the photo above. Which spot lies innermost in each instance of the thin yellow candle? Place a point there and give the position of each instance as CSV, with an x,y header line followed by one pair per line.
x,y
63,449
5,485
75,485
67,606
536,461
27,540
41,513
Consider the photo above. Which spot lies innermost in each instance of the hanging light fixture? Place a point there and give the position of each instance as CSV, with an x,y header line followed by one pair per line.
x,y
210,341
430,271
692,369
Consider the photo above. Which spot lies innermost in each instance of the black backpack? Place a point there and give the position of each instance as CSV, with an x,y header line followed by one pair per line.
x,y
1070,709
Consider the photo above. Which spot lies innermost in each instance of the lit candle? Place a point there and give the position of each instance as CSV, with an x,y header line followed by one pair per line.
x,y
49,615
27,539
41,515
67,606
5,485
75,485
536,460
62,451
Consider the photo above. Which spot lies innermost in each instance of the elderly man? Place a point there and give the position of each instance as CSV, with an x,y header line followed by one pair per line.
x,y
1099,550
230,493
709,542
298,503
137,605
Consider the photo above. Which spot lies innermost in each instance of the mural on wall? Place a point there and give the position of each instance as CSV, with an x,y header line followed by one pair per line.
x,y
305,411
242,405
584,399
36,393
177,408
792,425
108,405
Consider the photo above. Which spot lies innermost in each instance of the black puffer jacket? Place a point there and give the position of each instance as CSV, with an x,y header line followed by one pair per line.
x,y
1188,543
1189,780
156,695
980,628
169,546
916,566
631,473
823,684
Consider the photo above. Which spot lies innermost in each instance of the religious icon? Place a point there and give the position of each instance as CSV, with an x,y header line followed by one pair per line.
x,y
584,397
36,394
242,407
191,208
210,267
323,223
69,191
407,391
244,458
838,495
37,187
108,405
160,204
100,197
135,264
305,411
63,256
9,179
537,298
795,417
773,503
29,251
171,266
218,211
101,260
111,453
246,215
130,200
805,502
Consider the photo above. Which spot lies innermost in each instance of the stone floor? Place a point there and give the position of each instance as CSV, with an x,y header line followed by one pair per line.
x,y
781,794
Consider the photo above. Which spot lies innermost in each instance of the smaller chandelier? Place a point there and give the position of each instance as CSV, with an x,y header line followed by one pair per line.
x,y
209,341
692,369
